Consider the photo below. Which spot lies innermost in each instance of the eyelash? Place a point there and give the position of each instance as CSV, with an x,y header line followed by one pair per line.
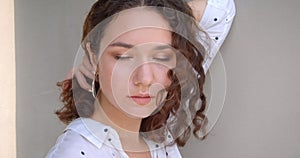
x,y
124,57
163,59
121,57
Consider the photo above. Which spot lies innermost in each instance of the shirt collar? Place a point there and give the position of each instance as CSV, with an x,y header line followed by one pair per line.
x,y
95,132
98,133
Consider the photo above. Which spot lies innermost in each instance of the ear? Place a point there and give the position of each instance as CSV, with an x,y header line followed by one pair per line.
x,y
91,56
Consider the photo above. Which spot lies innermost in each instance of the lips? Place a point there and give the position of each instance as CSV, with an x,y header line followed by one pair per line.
x,y
141,99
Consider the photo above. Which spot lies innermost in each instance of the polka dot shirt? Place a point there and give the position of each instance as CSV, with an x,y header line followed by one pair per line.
x,y
86,138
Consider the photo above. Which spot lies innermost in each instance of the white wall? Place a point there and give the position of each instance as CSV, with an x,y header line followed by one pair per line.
x,y
261,112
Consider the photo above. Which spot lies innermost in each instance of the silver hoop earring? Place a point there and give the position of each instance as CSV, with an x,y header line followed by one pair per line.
x,y
94,93
95,86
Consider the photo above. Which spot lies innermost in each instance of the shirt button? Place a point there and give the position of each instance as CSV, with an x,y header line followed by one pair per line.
x,y
82,153
216,38
105,130
109,139
156,145
215,19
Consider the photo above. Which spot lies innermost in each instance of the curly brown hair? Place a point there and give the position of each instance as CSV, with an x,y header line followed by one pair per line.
x,y
170,117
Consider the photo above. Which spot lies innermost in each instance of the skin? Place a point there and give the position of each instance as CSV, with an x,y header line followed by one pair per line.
x,y
132,70
88,69
198,7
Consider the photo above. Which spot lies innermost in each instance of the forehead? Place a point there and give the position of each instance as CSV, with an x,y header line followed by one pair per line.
x,y
137,26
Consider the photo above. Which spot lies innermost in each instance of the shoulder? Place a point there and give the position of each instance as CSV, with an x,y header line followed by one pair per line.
x,y
69,144
79,140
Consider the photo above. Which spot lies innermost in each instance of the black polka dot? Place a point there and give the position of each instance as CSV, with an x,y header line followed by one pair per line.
x,y
157,145
217,38
167,153
215,19
109,139
105,130
82,153
169,136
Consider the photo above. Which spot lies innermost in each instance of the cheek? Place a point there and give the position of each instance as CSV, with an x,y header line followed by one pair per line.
x,y
105,76
113,79
161,75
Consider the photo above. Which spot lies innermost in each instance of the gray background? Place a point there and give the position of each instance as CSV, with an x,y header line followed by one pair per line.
x,y
261,113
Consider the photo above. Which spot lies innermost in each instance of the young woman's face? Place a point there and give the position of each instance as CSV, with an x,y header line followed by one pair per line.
x,y
136,57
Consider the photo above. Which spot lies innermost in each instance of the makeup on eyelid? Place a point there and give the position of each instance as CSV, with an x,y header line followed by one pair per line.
x,y
122,53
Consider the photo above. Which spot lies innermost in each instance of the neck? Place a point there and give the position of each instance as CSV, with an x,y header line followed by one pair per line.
x,y
127,127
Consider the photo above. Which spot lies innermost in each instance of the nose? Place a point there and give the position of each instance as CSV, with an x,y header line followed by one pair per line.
x,y
143,76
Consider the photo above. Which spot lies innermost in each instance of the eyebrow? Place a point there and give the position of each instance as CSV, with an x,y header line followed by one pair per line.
x,y
128,46
121,44
161,47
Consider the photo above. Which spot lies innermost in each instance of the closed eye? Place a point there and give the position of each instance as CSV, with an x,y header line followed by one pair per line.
x,y
122,57
162,58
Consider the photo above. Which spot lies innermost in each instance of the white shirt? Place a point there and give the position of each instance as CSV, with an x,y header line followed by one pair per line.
x,y
86,138
216,22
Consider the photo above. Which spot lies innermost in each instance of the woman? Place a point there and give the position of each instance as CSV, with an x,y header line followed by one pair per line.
x,y
148,84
